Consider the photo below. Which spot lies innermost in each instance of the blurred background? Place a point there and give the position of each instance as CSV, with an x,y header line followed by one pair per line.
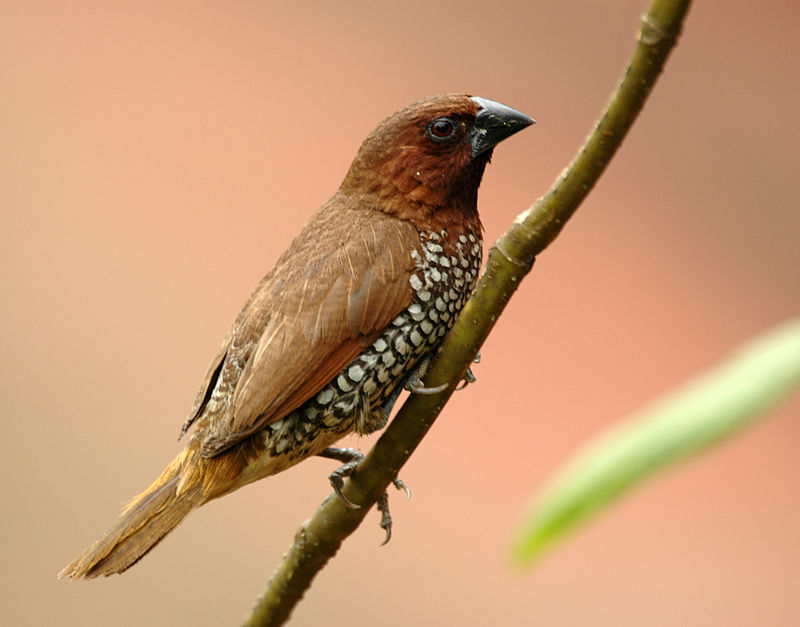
x,y
156,159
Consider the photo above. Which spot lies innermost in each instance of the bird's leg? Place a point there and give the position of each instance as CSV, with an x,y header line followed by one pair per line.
x,y
414,382
469,376
351,458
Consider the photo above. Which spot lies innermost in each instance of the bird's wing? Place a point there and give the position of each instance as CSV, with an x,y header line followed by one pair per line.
x,y
313,317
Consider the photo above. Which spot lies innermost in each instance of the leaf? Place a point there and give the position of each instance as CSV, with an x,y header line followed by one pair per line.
x,y
702,412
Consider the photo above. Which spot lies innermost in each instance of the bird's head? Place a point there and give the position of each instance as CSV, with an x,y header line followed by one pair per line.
x,y
425,162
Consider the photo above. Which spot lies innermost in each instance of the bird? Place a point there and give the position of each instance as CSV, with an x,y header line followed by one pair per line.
x,y
349,316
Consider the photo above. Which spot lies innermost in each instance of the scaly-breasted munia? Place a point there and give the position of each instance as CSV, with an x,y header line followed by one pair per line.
x,y
362,297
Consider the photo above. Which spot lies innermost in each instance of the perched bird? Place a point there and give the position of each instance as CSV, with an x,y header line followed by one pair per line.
x,y
346,319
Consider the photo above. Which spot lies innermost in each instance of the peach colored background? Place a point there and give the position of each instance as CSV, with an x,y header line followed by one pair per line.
x,y
155,161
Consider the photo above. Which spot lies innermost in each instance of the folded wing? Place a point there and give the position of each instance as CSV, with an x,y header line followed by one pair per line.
x,y
330,295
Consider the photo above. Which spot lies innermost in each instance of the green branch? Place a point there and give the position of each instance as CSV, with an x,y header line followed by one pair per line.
x,y
510,259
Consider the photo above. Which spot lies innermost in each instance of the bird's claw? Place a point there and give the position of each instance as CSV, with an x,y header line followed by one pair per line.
x,y
383,507
421,389
337,483
469,377
386,518
351,458
414,382
400,485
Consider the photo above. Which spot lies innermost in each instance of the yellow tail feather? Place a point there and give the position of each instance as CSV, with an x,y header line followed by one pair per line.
x,y
141,526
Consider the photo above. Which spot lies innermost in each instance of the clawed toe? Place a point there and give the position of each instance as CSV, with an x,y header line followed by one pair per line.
x,y
351,459
398,483
386,518
469,377
421,389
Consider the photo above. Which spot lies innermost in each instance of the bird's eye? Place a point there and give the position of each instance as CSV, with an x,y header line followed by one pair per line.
x,y
441,129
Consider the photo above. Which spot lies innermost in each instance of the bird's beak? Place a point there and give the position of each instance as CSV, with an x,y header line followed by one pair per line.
x,y
493,123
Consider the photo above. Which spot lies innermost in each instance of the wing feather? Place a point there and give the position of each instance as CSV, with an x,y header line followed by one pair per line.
x,y
327,298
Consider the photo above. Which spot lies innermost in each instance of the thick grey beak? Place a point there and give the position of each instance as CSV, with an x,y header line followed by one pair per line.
x,y
493,123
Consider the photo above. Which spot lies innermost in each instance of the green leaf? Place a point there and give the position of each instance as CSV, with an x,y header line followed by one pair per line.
x,y
698,414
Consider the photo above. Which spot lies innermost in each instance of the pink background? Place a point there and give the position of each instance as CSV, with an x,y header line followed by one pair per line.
x,y
157,159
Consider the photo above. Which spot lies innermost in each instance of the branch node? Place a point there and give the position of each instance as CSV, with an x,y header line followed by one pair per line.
x,y
510,258
652,34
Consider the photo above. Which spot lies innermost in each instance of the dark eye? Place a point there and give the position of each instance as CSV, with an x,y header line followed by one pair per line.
x,y
441,129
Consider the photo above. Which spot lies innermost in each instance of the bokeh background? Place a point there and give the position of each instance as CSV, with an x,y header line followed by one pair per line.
x,y
157,158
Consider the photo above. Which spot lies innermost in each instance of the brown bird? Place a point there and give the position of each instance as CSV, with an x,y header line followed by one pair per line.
x,y
348,317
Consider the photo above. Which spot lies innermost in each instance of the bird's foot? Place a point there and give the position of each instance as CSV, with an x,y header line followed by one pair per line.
x,y
469,376
351,458
383,507
414,382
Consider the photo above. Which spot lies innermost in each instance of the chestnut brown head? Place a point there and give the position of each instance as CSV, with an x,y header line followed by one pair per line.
x,y
430,156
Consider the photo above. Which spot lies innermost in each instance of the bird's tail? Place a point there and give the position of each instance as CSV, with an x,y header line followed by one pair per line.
x,y
142,524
